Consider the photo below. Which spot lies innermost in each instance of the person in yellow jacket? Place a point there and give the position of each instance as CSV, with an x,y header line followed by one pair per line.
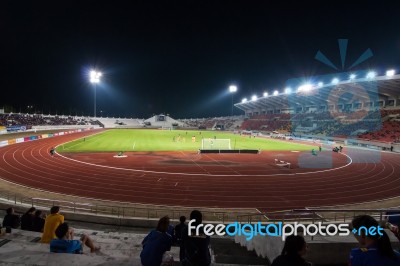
x,y
51,223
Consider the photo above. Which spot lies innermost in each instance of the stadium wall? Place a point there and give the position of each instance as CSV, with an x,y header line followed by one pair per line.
x,y
40,128
351,142
42,136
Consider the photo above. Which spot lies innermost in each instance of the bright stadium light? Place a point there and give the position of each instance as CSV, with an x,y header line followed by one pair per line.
x,y
352,76
95,76
288,90
335,81
371,75
276,92
254,98
244,100
304,88
94,79
232,90
320,84
265,94
390,73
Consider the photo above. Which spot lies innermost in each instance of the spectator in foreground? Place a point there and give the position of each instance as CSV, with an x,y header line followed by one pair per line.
x,y
178,235
178,229
156,243
292,253
27,219
65,242
38,222
196,250
11,219
374,249
51,223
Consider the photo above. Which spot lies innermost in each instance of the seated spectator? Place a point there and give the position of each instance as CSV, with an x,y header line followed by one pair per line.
x,y
11,219
195,247
27,219
65,242
51,223
374,249
38,222
178,229
178,235
292,253
156,243
394,229
171,231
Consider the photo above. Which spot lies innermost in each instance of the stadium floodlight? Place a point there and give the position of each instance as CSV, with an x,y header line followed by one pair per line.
x,y
288,90
304,88
276,92
371,75
244,100
95,76
254,98
232,90
320,84
265,94
352,76
94,79
335,81
390,73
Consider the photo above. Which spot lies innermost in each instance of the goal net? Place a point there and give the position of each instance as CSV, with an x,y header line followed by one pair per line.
x,y
215,144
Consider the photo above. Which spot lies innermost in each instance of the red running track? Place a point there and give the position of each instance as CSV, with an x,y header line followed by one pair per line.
x,y
206,180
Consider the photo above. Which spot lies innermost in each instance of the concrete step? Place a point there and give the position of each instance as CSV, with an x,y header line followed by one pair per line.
x,y
228,252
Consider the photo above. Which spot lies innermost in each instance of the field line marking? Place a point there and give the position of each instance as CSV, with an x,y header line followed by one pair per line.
x,y
203,174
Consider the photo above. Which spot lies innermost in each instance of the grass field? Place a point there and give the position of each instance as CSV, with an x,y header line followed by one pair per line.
x,y
163,140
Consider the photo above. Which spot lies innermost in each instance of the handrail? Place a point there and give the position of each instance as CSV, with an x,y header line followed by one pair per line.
x,y
150,212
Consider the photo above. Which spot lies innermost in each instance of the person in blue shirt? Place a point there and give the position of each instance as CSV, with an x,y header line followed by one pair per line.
x,y
156,243
374,249
64,242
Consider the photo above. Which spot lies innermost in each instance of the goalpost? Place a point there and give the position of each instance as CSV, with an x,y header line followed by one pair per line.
x,y
215,144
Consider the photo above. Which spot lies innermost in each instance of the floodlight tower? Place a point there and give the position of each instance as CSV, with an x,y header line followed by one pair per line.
x,y
232,90
94,79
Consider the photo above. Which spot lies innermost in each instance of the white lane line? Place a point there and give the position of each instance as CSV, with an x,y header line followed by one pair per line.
x,y
205,174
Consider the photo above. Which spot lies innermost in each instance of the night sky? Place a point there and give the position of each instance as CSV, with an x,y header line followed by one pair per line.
x,y
179,57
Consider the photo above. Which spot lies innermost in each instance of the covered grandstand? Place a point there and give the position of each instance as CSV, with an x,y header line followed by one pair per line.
x,y
367,107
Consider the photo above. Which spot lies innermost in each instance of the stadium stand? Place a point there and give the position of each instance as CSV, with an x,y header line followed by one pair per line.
x,y
32,120
214,123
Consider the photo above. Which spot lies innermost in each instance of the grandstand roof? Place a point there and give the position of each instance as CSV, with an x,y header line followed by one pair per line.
x,y
345,91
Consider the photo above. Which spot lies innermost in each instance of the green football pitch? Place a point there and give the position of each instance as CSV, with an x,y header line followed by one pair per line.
x,y
171,140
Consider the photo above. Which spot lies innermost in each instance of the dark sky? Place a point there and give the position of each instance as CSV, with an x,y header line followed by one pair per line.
x,y
179,57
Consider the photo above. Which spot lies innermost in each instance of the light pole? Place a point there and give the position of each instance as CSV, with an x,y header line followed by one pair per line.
x,y
232,90
94,79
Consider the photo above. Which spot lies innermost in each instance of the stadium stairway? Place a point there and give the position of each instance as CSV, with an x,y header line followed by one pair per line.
x,y
226,251
23,248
